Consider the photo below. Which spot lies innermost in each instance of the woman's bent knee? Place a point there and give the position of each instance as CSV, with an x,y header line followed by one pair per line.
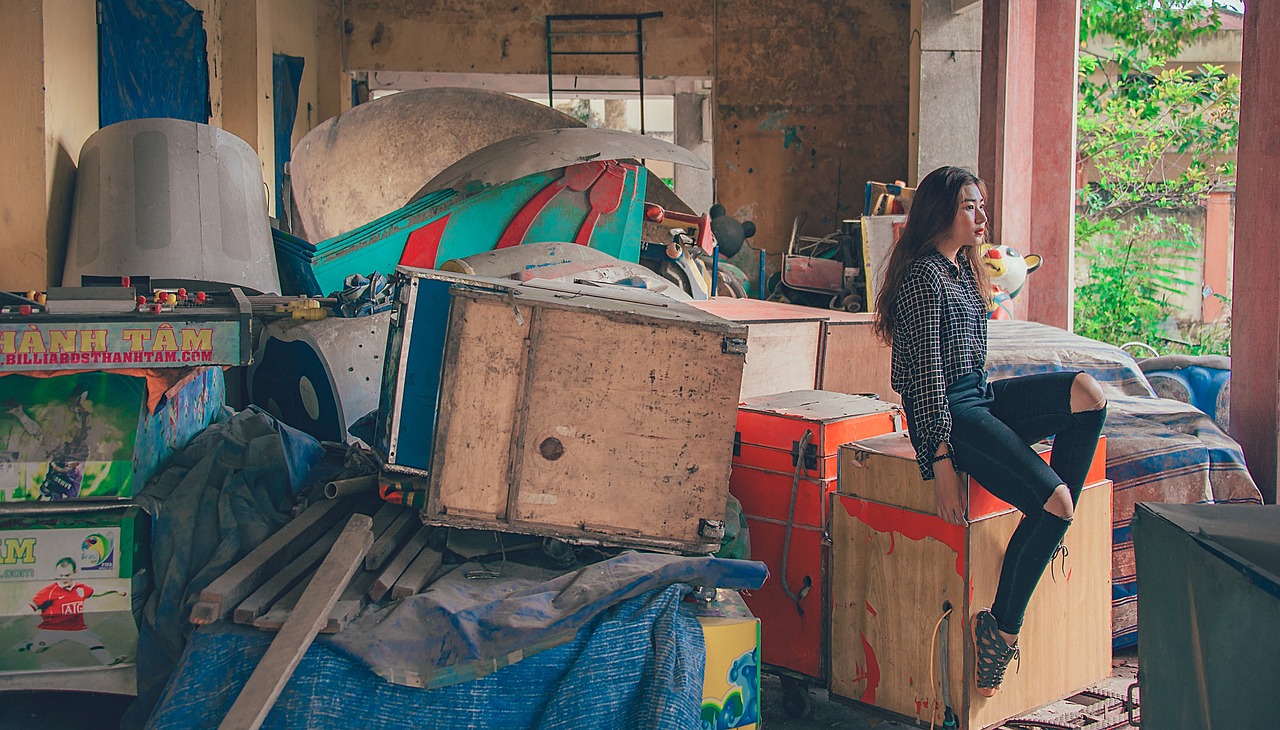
x,y
1059,504
1086,394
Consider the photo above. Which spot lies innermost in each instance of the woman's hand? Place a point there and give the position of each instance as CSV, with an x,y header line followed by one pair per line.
x,y
950,493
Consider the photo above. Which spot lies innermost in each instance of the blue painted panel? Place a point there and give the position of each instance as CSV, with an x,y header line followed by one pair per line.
x,y
419,399
286,76
151,61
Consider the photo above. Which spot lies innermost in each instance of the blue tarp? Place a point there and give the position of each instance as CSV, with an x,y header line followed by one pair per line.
x,y
638,664
151,61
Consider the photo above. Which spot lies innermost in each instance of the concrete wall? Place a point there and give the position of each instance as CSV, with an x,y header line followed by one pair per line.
x,y
811,103
810,98
48,49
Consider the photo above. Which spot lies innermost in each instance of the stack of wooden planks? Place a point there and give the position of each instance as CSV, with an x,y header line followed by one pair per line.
x,y
264,588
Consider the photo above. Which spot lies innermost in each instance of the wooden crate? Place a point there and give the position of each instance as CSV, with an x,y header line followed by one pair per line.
x,y
894,568
563,410
853,359
783,343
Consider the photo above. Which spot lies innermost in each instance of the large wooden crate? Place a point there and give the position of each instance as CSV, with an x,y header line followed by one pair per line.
x,y
853,359
896,565
590,414
784,343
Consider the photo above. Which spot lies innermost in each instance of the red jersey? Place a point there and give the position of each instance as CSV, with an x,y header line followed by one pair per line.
x,y
61,609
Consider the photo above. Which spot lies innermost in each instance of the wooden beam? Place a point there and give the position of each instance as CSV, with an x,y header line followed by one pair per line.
x,y
228,590
308,617
417,574
261,600
397,566
404,525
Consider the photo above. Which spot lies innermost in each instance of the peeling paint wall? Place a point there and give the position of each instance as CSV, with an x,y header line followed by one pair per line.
x,y
811,98
812,102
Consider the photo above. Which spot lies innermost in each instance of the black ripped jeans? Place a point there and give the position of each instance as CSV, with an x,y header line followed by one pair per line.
x,y
992,428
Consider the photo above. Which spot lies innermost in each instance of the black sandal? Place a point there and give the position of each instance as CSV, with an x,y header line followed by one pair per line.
x,y
992,653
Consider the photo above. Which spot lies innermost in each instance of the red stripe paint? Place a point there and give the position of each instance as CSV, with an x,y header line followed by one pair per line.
x,y
871,672
424,244
912,525
871,610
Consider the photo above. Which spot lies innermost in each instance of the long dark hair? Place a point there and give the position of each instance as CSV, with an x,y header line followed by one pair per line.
x,y
933,210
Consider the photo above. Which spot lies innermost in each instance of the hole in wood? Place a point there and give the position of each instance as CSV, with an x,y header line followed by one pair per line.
x,y
551,448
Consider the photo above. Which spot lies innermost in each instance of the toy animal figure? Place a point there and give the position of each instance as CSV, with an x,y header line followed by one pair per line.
x,y
1008,270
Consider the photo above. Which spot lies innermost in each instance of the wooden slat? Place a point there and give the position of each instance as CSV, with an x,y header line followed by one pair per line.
x,y
309,616
391,573
261,600
855,361
401,528
417,574
275,617
228,590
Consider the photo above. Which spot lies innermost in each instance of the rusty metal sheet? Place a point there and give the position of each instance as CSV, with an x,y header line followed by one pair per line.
x,y
534,152
368,162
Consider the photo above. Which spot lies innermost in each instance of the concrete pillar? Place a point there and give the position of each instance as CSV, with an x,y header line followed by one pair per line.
x,y
1026,151
1255,320
945,109
692,133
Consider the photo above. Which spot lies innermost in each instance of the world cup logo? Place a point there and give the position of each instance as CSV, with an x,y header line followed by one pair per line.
x,y
95,551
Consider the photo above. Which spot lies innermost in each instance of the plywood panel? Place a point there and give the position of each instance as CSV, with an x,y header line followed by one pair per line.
x,y
638,442
1066,635
855,361
892,570
481,389
781,356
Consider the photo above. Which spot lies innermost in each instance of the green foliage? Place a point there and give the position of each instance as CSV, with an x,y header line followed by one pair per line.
x,y
1136,270
1160,137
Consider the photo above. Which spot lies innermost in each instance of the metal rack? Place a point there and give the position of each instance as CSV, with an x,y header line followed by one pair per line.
x,y
625,19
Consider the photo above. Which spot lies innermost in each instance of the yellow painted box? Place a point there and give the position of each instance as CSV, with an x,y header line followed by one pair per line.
x,y
731,679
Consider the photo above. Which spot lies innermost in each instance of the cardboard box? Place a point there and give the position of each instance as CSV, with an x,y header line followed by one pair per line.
x,y
731,678
591,414
896,565
89,435
67,586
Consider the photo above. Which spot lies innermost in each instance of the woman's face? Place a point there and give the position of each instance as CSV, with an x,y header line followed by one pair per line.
x,y
970,225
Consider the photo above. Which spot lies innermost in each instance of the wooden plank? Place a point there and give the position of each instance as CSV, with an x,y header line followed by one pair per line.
x,y
483,377
781,356
309,616
391,573
275,617
261,600
385,516
888,584
394,536
228,590
417,574
350,603
1066,635
855,361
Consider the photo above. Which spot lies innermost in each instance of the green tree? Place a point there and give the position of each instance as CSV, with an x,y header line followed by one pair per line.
x,y
1159,137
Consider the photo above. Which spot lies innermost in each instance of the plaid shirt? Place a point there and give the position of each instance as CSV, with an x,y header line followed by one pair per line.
x,y
940,334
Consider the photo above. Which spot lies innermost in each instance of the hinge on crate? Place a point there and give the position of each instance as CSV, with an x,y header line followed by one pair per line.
x,y
711,529
810,455
737,443
733,345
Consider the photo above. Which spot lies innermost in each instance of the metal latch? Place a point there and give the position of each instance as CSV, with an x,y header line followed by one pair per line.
x,y
733,345
711,529
737,443
810,455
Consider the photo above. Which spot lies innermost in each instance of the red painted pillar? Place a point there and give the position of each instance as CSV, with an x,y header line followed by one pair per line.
x,y
1027,150
1052,194
1005,122
1255,302
1217,252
